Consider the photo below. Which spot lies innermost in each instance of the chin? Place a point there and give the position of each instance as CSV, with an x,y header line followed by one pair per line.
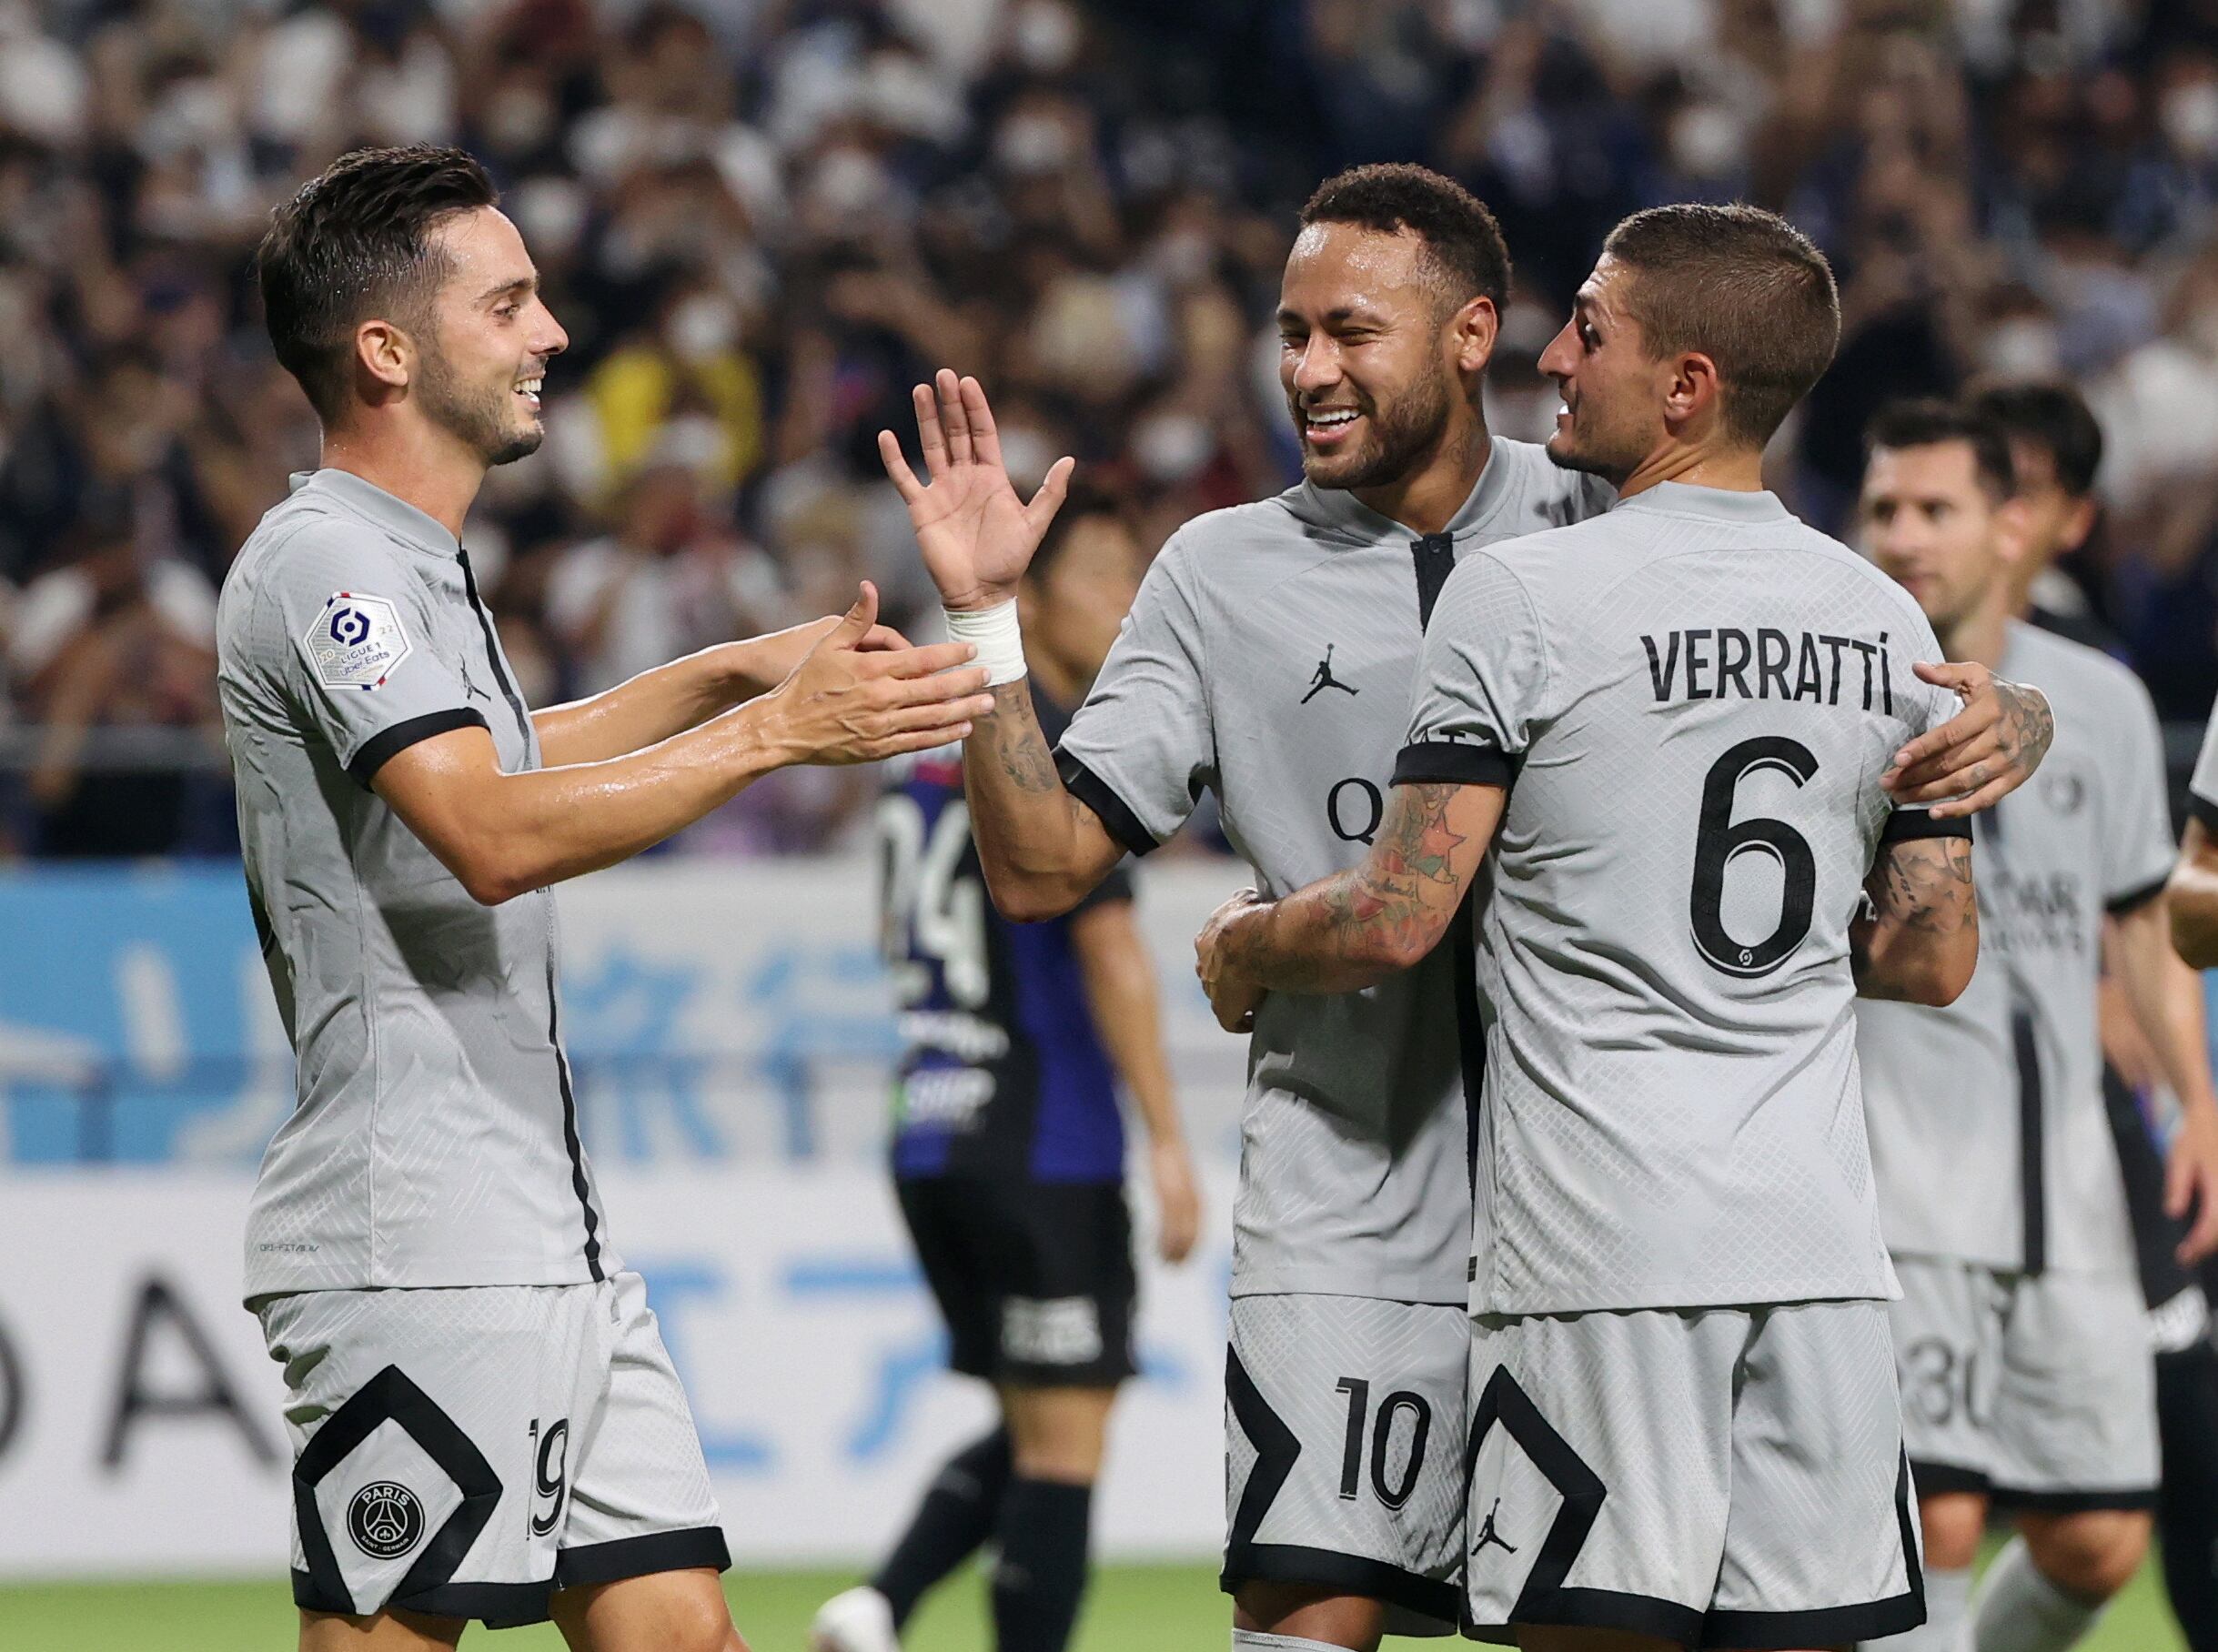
x,y
519,444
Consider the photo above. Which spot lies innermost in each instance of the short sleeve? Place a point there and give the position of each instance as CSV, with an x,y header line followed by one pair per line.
x,y
2137,847
1142,748
1482,682
2202,785
343,632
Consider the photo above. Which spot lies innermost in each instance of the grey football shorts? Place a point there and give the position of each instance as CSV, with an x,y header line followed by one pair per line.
x,y
1716,1477
2039,1390
1344,1433
466,1452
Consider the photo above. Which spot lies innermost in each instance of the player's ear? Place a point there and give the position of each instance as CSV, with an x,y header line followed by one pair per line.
x,y
2013,530
385,355
1475,328
1694,390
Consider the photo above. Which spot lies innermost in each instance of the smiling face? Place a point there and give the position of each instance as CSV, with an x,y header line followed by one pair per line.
x,y
1933,527
1371,354
1612,416
488,339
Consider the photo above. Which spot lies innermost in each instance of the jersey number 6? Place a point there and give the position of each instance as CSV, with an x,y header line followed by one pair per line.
x,y
1719,839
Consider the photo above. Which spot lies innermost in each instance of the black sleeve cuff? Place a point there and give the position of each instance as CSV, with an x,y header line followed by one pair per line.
x,y
2134,899
1093,791
388,743
1112,890
1908,825
1452,762
2202,808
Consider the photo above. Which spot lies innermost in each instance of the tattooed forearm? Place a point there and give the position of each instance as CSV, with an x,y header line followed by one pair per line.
x,y
1922,926
2027,725
1365,924
1014,737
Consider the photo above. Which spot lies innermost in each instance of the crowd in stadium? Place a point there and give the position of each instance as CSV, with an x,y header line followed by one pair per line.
x,y
759,223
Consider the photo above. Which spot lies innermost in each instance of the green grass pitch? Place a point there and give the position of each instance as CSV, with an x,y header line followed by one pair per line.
x,y
1131,1608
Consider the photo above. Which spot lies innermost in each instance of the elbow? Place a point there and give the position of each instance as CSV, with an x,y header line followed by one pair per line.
x,y
491,878
1937,985
2194,925
1031,896
491,888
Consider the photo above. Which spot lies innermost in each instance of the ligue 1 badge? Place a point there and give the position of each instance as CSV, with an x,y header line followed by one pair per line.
x,y
356,642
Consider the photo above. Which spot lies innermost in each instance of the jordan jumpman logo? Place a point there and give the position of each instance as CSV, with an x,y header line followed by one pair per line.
x,y
1487,1534
1324,678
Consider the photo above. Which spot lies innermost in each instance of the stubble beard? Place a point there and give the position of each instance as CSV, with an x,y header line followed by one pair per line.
x,y
1402,434
479,419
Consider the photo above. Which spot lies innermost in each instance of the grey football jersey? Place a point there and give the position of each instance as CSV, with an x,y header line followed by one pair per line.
x,y
1692,701
1988,1127
2202,785
434,1141
1269,658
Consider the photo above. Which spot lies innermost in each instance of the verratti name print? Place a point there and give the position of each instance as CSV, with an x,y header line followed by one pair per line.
x,y
1720,662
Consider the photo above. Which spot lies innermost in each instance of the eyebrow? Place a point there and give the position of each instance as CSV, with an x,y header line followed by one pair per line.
x,y
1345,312
524,286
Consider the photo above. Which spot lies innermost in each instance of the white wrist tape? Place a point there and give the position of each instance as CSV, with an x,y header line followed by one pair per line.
x,y
992,632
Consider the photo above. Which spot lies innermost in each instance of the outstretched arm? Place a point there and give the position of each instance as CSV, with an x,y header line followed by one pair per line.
x,y
683,694
1356,929
1980,755
1918,942
1043,849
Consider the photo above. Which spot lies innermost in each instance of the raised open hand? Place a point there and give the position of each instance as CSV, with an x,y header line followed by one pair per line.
x,y
976,535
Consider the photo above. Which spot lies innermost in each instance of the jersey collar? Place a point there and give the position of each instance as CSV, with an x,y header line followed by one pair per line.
x,y
1337,509
365,498
1711,504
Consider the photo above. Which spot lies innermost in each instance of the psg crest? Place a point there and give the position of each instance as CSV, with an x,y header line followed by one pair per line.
x,y
384,1520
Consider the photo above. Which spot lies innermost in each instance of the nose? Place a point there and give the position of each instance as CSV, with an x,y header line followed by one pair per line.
x,y
1557,361
1318,366
547,338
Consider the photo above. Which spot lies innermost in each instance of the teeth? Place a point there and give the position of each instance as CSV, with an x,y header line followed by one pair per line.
x,y
531,387
1346,416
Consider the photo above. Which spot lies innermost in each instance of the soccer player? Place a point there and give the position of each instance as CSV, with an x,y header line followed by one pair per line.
x,y
1009,1152
1268,659
1664,732
485,1423
2027,1370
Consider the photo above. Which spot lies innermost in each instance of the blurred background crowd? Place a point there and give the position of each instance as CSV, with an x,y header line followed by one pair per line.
x,y
762,220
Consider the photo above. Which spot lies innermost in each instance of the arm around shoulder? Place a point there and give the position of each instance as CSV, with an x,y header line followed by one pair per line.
x,y
1919,939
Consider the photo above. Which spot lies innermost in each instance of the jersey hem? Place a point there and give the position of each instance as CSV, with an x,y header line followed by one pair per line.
x,y
390,742
1540,1307
1908,825
1113,812
1451,762
1302,1282
261,1288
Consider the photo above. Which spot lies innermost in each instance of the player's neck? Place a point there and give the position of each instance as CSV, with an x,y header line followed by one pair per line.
x,y
1733,470
417,466
1980,636
1427,498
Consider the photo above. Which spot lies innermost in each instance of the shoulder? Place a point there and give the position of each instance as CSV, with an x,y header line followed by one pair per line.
x,y
1558,496
1890,600
2079,678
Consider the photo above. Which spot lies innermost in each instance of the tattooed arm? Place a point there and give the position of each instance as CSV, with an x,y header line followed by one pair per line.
x,y
1919,939
1984,753
1354,929
1043,849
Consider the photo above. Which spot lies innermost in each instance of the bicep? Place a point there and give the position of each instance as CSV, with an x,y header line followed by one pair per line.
x,y
1923,885
442,789
1432,840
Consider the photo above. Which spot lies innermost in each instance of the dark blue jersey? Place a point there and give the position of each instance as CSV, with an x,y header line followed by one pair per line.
x,y
1003,1073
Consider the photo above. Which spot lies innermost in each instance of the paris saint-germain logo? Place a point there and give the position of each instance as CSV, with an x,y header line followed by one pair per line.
x,y
384,1520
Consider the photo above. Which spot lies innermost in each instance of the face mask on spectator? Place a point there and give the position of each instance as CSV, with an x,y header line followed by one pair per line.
x,y
702,326
1171,447
1030,145
1045,35
550,211
2189,115
1707,141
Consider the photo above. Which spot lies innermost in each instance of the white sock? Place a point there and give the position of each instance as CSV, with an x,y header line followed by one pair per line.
x,y
1945,1595
1255,1640
2019,1610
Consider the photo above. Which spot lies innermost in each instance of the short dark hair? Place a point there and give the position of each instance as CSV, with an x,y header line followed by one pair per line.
x,y
2053,417
1742,286
1461,238
1084,501
354,243
1928,421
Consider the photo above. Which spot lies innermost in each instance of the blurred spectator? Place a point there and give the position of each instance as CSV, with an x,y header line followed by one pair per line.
x,y
761,223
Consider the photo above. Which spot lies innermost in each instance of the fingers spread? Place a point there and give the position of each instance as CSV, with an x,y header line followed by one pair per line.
x,y
897,469
985,440
950,392
929,432
1054,487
